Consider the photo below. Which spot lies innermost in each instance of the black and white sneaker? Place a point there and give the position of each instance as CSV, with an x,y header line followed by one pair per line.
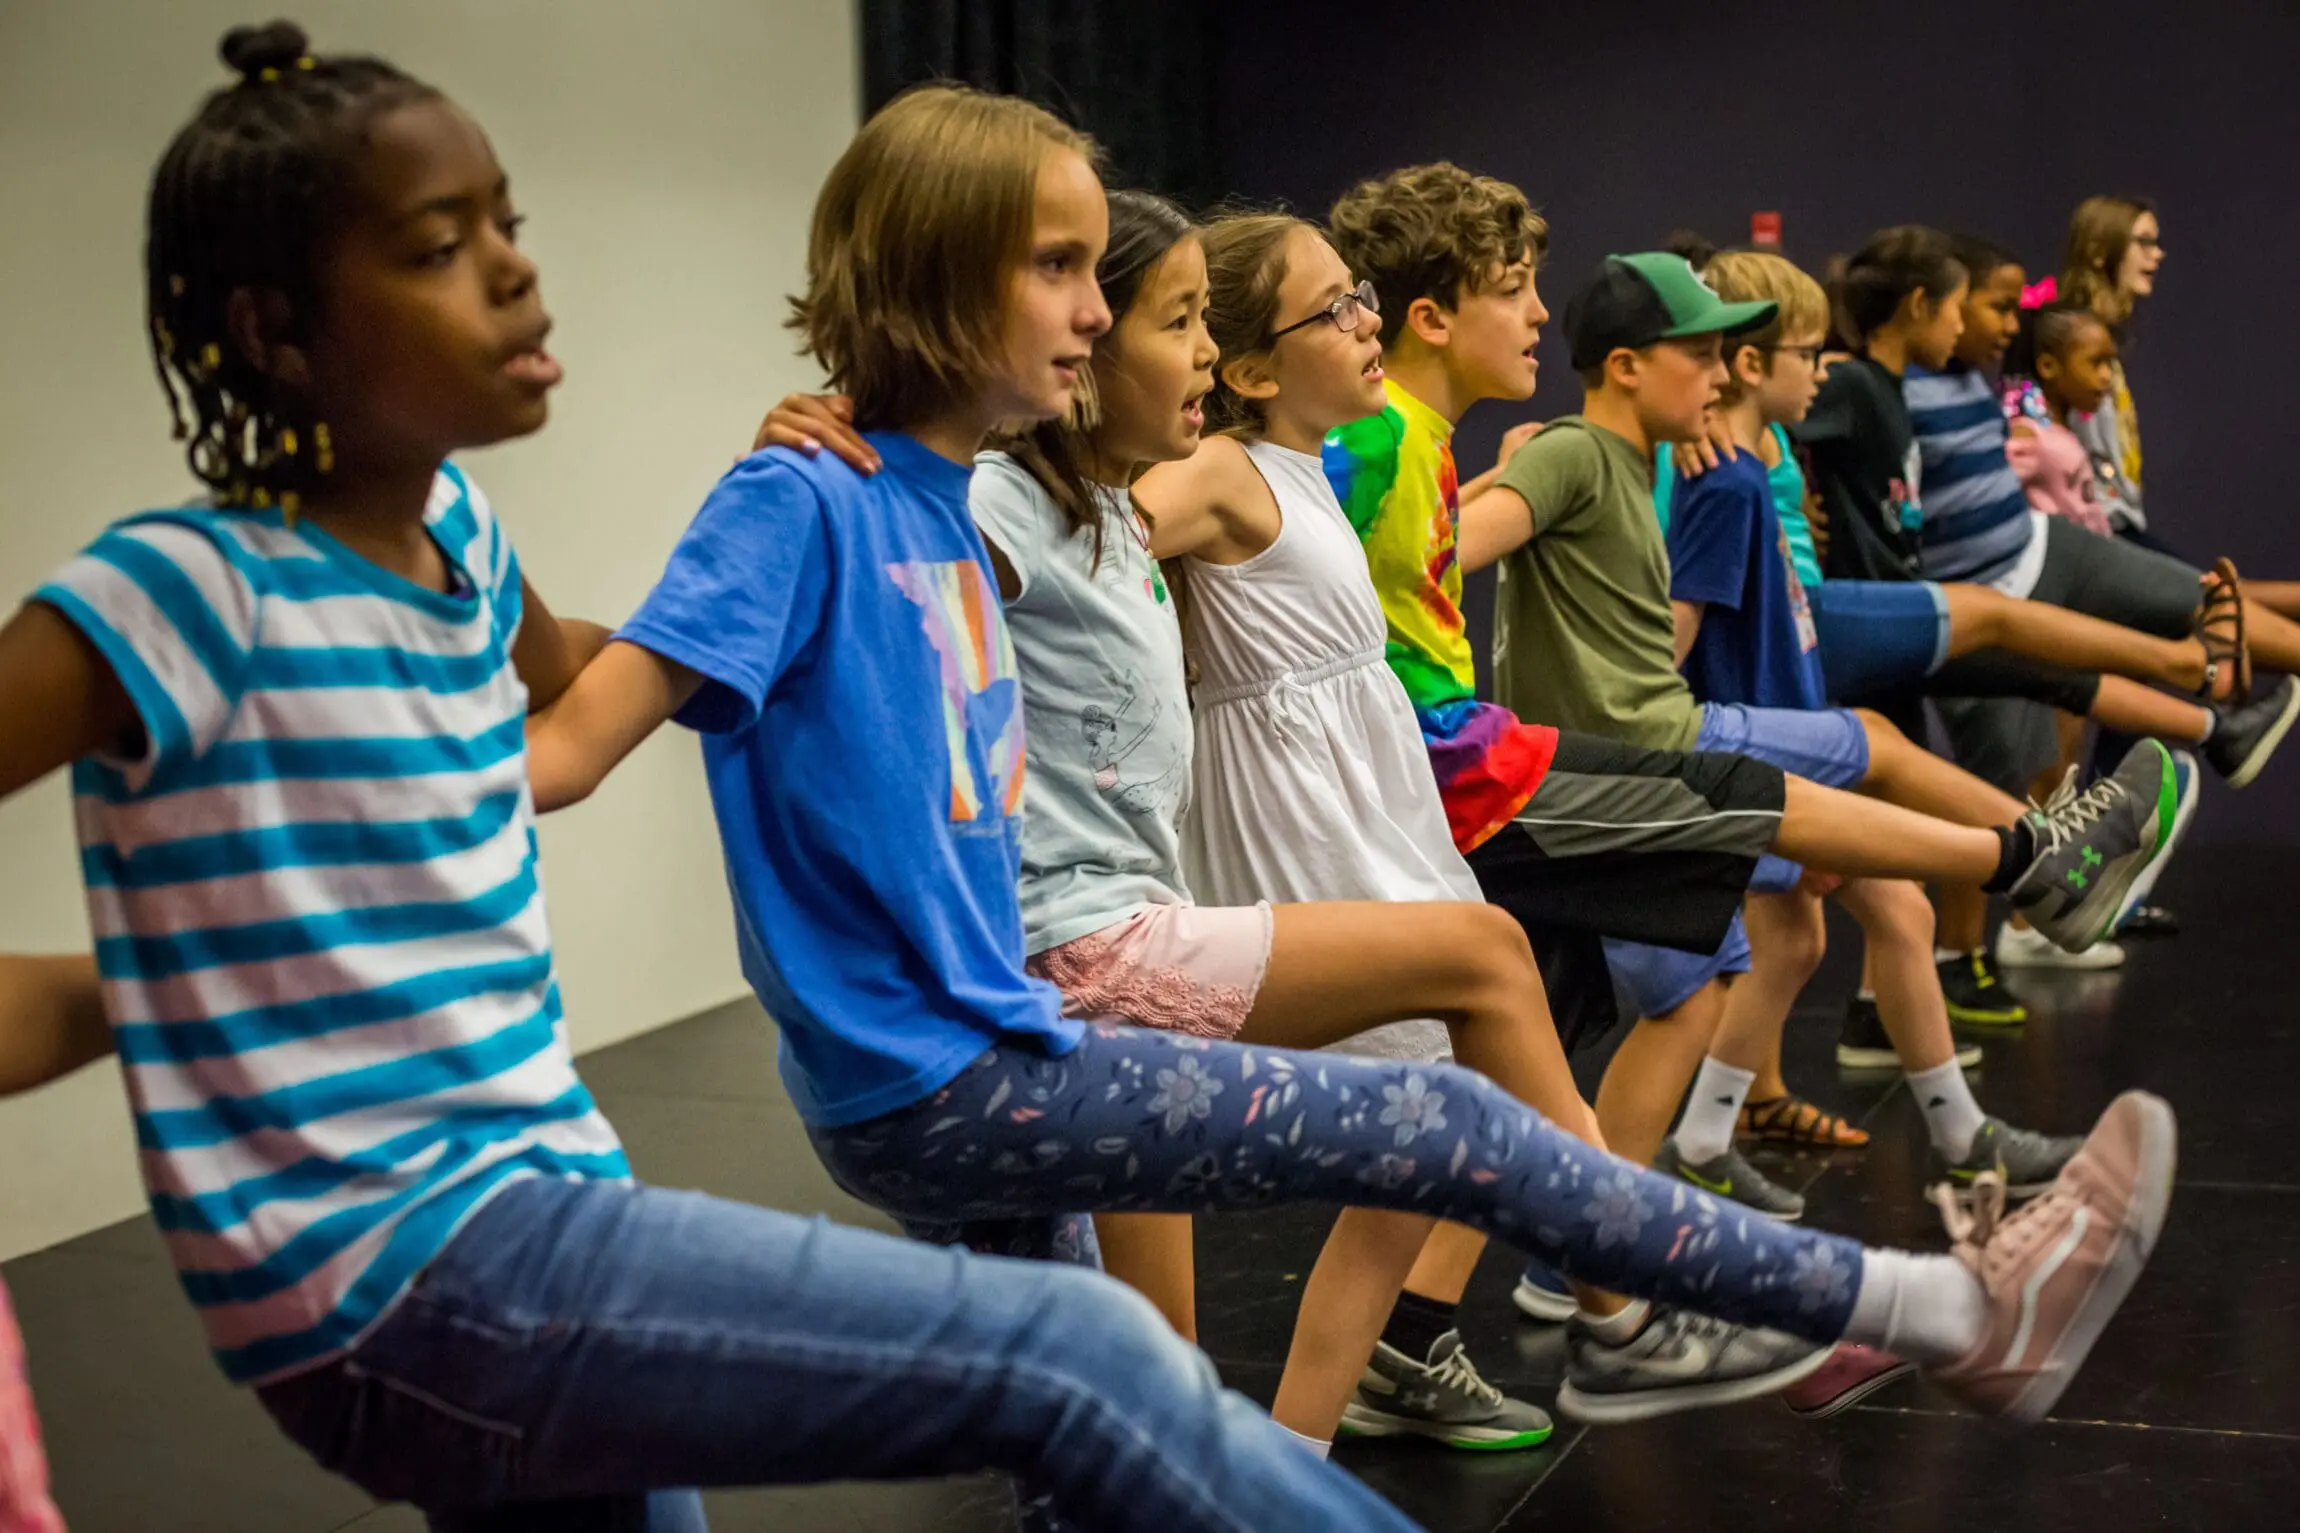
x,y
1444,1399
1863,1043
2027,1160
2244,738
2092,845
1977,994
1731,1176
1678,1361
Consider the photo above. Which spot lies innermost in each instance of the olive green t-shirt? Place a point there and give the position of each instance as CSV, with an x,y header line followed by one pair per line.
x,y
1583,636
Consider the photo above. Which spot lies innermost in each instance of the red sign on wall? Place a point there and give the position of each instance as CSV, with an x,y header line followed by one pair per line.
x,y
1765,230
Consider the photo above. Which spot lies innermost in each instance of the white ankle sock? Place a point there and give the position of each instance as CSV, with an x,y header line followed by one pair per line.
x,y
1928,1309
1319,1446
1950,1111
1620,1326
1706,1130
1943,955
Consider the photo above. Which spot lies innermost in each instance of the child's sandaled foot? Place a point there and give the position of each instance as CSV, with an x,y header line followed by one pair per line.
x,y
2220,629
1790,1119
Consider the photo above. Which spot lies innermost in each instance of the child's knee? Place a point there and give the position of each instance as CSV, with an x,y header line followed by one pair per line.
x,y
1895,911
1503,953
1795,940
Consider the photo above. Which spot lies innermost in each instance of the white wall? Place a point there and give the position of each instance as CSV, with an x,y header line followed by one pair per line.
x,y
667,155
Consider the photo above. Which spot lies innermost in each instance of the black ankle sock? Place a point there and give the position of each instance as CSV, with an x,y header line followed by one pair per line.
x,y
2016,850
1416,1324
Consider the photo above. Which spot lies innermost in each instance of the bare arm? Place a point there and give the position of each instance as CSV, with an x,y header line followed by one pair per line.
x,y
1688,622
1212,505
1494,525
51,1020
59,701
621,697
1511,440
549,651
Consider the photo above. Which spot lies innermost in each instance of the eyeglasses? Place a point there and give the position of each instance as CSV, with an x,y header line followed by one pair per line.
x,y
1347,312
1811,354
2148,241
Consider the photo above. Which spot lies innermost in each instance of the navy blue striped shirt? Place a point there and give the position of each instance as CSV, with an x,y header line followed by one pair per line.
x,y
1976,522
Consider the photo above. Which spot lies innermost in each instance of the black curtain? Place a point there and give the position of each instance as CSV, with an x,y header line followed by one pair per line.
x,y
1136,74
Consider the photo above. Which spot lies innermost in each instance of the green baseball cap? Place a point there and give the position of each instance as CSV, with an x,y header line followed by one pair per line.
x,y
1636,300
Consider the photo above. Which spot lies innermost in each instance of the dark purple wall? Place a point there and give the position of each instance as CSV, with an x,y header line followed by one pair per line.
x,y
1626,120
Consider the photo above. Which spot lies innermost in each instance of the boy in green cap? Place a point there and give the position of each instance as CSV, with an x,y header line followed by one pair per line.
x,y
1586,637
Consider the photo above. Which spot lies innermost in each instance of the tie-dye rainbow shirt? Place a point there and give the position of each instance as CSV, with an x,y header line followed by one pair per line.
x,y
1394,475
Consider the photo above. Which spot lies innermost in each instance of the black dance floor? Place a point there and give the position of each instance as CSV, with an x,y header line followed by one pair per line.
x,y
2188,1417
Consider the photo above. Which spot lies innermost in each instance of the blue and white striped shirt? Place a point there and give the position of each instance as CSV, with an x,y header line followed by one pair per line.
x,y
313,889
1976,514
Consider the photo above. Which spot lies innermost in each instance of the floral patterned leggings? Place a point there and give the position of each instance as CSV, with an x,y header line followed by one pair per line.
x,y
1008,1156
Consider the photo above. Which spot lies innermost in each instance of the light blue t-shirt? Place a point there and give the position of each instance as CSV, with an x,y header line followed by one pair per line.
x,y
1107,703
318,925
863,735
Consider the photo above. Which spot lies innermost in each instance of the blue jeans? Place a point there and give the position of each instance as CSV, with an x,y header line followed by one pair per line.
x,y
579,1345
1140,1121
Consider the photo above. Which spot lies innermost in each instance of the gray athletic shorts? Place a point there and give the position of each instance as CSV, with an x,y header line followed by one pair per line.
x,y
2116,581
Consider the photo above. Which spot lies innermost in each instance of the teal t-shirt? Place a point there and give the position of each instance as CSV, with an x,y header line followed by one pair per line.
x,y
1788,483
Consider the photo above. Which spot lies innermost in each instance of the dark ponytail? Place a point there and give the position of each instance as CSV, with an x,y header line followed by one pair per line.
x,y
1867,291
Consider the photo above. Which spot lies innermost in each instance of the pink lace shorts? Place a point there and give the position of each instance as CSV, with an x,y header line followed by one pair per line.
x,y
1185,968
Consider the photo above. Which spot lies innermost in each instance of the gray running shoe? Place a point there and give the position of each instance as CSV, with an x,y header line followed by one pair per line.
x,y
1731,1176
2245,737
1680,1361
2028,1161
2092,845
1443,1399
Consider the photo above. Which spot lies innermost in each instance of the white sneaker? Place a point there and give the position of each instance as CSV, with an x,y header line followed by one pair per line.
x,y
2023,947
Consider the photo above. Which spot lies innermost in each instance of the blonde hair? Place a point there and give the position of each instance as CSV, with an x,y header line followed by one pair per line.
x,y
916,232
2099,234
1435,232
1245,267
1755,276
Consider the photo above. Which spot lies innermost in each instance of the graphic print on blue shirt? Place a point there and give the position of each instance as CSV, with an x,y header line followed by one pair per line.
x,y
981,699
863,739
1728,553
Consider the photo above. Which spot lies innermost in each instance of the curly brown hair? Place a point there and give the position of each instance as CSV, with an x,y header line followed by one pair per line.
x,y
1435,232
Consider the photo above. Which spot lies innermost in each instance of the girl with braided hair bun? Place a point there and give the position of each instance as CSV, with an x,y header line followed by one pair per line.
x,y
295,715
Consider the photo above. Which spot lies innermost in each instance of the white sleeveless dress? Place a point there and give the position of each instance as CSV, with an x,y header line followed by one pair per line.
x,y
1310,780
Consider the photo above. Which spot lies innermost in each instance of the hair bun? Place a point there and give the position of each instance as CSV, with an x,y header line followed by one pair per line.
x,y
249,51
1697,249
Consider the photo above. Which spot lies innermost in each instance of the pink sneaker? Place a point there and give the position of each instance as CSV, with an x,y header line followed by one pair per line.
x,y
2056,1271
1852,1374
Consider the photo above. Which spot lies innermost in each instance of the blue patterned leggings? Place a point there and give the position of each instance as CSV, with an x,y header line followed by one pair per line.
x,y
1141,1121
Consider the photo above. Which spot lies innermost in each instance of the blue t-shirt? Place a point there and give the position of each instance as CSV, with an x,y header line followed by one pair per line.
x,y
862,726
1727,551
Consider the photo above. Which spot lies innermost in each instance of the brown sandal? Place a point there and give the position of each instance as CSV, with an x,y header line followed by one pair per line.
x,y
1790,1119
2220,629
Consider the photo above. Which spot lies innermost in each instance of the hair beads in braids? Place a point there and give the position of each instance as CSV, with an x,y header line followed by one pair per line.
x,y
243,201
